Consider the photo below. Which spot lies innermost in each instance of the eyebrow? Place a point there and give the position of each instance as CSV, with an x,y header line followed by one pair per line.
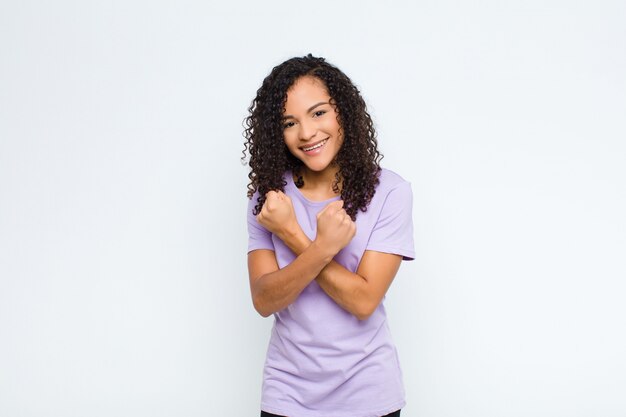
x,y
288,116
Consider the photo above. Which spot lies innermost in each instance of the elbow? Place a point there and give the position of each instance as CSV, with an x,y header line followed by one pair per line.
x,y
262,303
364,310
362,316
259,301
261,307
263,313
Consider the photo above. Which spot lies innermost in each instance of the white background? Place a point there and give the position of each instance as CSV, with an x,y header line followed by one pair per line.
x,y
123,280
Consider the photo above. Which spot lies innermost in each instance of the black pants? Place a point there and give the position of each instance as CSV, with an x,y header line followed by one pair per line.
x,y
264,414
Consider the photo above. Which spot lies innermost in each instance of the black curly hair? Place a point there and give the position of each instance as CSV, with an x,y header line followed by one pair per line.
x,y
358,159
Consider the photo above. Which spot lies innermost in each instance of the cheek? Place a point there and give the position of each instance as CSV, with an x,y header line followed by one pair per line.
x,y
288,140
291,144
335,127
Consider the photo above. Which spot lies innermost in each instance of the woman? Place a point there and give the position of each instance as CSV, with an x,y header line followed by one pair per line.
x,y
328,229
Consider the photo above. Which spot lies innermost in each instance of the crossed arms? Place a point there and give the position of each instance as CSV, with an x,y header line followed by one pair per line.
x,y
274,288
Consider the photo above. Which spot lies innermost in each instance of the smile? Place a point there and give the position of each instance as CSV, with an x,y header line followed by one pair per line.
x,y
315,146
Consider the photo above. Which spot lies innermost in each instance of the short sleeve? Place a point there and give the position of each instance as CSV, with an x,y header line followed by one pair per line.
x,y
258,236
393,231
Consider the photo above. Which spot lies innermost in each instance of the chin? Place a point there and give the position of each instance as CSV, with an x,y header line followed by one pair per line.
x,y
317,167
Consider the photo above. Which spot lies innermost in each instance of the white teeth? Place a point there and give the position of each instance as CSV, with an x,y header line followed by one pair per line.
x,y
316,146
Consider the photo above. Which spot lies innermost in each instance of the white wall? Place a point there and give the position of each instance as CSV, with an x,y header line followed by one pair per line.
x,y
123,282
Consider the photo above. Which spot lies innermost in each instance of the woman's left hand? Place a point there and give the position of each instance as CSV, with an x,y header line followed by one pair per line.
x,y
278,215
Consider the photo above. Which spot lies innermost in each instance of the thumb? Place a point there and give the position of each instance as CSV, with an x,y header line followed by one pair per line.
x,y
285,197
333,206
337,205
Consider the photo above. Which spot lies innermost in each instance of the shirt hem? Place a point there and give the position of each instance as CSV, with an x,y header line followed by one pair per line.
x,y
407,255
324,413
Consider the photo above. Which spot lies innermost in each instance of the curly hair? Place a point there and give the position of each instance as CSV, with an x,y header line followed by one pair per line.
x,y
358,159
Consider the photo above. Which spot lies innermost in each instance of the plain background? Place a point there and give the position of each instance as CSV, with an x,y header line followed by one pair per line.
x,y
123,280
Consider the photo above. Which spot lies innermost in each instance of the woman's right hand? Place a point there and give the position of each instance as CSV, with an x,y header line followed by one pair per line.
x,y
278,215
335,229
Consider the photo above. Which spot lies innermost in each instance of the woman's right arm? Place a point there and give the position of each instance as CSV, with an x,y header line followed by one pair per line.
x,y
274,288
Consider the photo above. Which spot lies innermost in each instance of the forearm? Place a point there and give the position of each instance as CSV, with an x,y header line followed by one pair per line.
x,y
346,288
273,291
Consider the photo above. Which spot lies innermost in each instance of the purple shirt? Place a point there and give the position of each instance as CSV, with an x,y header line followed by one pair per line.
x,y
321,360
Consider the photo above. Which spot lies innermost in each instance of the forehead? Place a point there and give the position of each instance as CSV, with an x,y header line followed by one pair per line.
x,y
306,89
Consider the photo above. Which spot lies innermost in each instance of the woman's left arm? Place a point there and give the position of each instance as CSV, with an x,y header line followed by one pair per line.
x,y
359,293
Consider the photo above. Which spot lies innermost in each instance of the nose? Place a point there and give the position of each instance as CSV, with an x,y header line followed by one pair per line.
x,y
308,130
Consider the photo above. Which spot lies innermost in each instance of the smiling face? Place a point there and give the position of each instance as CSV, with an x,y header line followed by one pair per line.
x,y
310,127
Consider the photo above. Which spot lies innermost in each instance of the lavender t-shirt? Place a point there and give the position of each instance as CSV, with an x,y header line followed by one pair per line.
x,y
321,360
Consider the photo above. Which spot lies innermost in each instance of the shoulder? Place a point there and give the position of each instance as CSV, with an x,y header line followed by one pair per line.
x,y
252,201
391,191
392,211
389,180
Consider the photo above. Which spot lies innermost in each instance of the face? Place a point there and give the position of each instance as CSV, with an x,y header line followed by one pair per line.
x,y
310,127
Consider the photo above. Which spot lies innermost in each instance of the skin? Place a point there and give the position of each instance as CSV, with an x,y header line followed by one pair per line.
x,y
311,119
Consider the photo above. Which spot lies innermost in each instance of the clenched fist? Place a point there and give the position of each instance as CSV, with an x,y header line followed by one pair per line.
x,y
277,214
335,229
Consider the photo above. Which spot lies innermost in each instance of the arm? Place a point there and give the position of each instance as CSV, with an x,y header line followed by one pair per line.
x,y
274,289
359,293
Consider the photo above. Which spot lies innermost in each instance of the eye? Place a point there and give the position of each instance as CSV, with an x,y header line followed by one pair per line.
x,y
319,113
287,125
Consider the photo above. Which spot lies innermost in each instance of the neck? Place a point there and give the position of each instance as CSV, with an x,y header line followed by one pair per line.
x,y
321,181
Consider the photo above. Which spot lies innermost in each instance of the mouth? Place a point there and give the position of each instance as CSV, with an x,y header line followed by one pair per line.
x,y
314,146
